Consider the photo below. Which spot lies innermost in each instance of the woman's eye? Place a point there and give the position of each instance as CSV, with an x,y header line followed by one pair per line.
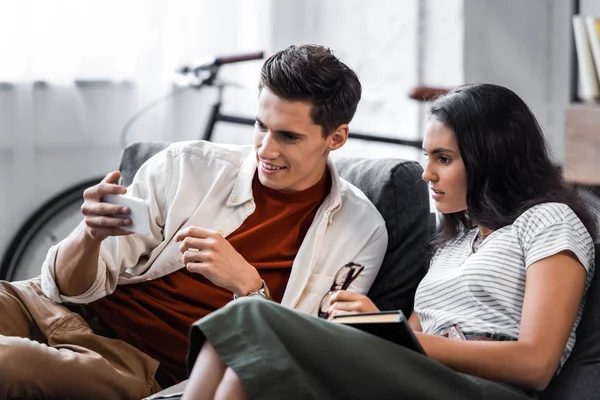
x,y
444,160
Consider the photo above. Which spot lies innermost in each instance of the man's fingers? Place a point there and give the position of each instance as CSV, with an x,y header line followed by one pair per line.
x,y
106,222
111,188
194,255
195,232
112,177
99,209
108,185
105,232
190,242
197,268
96,192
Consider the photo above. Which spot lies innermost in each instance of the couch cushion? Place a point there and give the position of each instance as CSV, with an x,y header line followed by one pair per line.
x,y
579,378
134,155
395,188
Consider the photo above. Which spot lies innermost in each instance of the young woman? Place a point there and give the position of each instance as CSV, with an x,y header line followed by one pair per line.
x,y
514,258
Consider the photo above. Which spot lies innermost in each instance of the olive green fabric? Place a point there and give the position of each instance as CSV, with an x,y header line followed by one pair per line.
x,y
279,353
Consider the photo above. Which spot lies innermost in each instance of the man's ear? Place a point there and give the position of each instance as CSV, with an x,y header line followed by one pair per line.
x,y
338,137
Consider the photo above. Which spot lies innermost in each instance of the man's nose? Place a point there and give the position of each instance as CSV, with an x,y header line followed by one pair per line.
x,y
268,147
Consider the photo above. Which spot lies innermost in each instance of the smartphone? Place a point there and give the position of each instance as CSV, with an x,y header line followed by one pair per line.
x,y
139,212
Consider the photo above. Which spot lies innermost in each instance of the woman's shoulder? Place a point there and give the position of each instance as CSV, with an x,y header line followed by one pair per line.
x,y
547,214
547,227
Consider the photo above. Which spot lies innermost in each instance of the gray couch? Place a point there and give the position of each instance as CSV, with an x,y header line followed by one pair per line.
x,y
396,189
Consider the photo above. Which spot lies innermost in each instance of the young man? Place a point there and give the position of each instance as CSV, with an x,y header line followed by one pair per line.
x,y
273,220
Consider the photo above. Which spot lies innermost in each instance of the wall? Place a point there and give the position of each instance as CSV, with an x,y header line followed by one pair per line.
x,y
526,46
589,7
52,137
56,136
393,45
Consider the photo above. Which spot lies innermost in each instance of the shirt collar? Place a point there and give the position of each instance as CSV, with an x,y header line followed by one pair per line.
x,y
242,187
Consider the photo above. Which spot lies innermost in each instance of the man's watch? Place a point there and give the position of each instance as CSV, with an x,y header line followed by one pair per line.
x,y
263,291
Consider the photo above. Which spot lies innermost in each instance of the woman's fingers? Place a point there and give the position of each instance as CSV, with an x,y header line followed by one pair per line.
x,y
350,306
343,300
344,295
334,313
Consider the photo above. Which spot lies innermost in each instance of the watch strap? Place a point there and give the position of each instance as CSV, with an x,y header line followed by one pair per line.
x,y
263,292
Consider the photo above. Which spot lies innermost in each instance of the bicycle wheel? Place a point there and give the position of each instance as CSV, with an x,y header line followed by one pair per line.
x,y
48,225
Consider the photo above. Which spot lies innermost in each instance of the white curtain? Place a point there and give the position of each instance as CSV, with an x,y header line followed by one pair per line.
x,y
58,133
59,41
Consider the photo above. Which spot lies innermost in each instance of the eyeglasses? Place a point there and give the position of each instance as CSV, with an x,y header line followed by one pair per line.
x,y
343,278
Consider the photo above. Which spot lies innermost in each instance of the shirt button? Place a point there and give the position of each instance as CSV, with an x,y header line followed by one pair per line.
x,y
234,199
249,205
220,231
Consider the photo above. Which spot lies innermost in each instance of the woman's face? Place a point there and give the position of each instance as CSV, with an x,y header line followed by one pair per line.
x,y
444,169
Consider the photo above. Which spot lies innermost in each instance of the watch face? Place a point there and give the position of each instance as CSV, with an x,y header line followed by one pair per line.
x,y
260,293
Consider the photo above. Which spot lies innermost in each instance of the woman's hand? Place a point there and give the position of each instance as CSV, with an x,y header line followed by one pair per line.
x,y
344,302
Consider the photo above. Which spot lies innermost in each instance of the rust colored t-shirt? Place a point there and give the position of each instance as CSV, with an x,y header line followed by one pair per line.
x,y
155,316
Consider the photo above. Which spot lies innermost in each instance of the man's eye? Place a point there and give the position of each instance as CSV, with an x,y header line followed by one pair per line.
x,y
260,127
288,137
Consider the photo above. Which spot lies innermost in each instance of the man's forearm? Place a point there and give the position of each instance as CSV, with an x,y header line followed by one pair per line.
x,y
77,263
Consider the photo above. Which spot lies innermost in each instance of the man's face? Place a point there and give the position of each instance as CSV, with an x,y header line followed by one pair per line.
x,y
291,151
445,170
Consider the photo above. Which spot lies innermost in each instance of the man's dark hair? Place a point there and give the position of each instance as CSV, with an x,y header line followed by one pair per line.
x,y
506,157
313,74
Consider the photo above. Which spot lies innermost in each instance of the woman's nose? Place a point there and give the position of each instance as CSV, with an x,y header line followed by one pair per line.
x,y
428,174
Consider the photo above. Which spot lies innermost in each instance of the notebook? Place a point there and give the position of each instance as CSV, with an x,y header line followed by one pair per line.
x,y
389,325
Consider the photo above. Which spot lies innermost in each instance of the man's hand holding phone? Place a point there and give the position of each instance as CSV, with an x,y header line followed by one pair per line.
x,y
108,212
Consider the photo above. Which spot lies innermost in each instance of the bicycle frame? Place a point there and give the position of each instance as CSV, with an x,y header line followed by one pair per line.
x,y
27,233
216,116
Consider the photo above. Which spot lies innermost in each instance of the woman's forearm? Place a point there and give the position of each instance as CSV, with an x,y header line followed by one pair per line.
x,y
514,362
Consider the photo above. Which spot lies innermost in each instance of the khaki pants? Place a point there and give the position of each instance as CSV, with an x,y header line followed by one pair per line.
x,y
47,351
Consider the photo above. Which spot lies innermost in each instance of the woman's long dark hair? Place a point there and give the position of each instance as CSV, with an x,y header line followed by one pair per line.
x,y
506,157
